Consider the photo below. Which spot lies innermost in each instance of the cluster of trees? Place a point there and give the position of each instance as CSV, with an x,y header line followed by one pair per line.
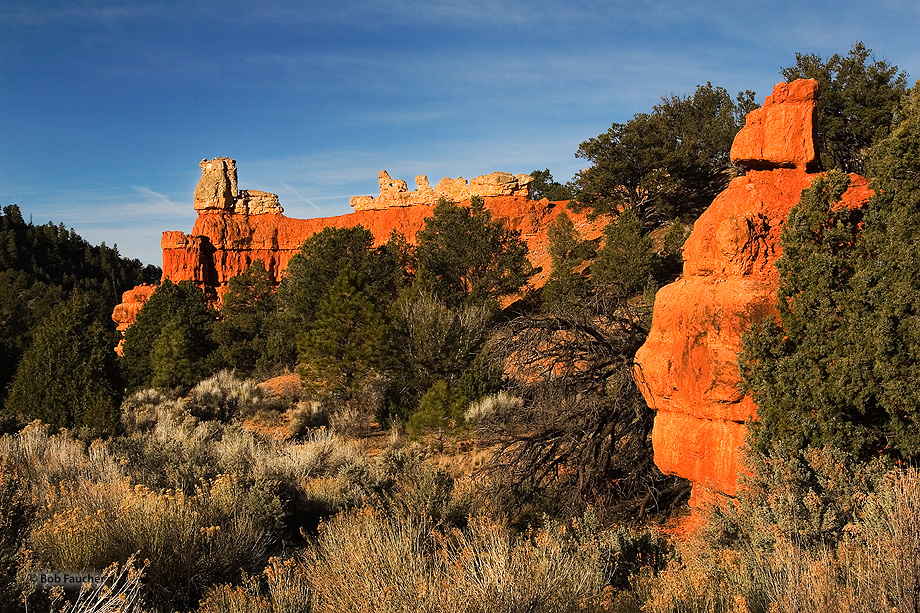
x,y
55,286
363,325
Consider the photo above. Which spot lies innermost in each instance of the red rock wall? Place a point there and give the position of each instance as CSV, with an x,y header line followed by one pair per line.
x,y
222,244
131,303
688,367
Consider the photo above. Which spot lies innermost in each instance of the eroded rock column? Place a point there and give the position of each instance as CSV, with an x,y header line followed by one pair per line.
x,y
688,367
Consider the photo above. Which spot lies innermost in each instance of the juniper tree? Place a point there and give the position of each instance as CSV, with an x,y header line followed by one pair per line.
x,y
857,103
543,186
840,366
68,377
670,162
624,265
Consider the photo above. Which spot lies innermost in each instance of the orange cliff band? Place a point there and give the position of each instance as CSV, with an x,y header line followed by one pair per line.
x,y
688,367
236,227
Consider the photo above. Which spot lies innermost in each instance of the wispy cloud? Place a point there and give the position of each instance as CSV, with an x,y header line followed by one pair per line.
x,y
299,197
104,12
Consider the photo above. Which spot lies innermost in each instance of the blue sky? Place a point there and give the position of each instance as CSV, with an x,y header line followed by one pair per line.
x,y
106,107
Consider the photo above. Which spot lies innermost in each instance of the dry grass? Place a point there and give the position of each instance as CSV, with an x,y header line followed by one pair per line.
x,y
365,561
873,567
409,529
488,406
118,591
190,541
286,590
224,397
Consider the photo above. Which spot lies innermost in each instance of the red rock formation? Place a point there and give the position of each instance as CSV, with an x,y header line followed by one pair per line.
x,y
126,313
237,227
687,369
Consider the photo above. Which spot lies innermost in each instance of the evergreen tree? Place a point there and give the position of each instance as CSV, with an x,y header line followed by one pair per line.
x,y
666,163
566,286
543,186
245,325
39,267
68,377
172,358
346,346
624,264
840,367
857,103
432,342
464,257
312,272
185,305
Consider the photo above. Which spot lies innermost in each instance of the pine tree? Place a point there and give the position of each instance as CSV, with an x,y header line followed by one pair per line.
x,y
312,272
566,286
346,345
623,266
68,377
183,302
172,358
464,257
243,330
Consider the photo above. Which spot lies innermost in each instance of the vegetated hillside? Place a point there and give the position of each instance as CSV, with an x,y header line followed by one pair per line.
x,y
41,266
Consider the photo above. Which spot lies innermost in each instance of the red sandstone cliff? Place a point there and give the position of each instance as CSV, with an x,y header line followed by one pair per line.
x,y
237,227
687,369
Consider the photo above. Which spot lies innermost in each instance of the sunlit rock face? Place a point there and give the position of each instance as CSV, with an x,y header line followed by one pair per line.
x,y
395,192
236,227
688,367
126,313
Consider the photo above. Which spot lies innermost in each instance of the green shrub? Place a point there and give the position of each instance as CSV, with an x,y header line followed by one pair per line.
x,y
434,411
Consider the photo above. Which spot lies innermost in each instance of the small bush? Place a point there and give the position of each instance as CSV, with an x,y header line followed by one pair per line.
x,y
434,410
286,591
43,460
223,397
487,407
306,415
813,531
143,409
190,541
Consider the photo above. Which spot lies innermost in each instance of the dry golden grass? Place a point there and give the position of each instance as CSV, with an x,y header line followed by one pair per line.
x,y
874,568
366,561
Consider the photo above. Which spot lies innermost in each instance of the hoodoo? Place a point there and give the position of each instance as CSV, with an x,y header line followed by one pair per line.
x,y
688,367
